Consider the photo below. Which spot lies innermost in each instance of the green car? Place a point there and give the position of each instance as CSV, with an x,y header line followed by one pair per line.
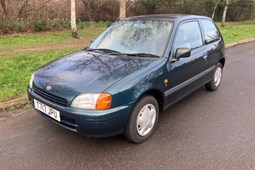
x,y
137,68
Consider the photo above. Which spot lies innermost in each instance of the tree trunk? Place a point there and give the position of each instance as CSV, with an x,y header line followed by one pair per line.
x,y
73,20
3,4
253,9
33,11
225,14
214,10
122,9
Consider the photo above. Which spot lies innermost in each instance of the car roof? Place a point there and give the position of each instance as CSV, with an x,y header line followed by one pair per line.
x,y
171,17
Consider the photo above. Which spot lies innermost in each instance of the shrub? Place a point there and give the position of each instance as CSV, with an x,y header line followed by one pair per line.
x,y
53,25
28,26
66,24
19,26
10,26
82,24
103,24
39,25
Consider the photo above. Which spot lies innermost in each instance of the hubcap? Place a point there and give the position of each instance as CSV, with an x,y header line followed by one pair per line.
x,y
146,120
217,76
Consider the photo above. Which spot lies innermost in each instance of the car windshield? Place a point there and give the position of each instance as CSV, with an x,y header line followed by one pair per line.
x,y
136,37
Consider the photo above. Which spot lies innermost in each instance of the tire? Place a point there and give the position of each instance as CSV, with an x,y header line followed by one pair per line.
x,y
142,123
216,78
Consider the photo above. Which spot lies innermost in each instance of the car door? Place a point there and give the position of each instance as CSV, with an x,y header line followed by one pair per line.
x,y
186,74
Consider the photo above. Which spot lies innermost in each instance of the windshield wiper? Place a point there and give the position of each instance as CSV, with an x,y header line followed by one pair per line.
x,y
103,50
113,52
143,55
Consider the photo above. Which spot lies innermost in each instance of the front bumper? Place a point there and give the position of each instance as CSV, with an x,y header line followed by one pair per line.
x,y
88,122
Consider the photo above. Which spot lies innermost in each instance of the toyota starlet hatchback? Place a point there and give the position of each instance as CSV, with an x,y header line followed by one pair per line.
x,y
137,68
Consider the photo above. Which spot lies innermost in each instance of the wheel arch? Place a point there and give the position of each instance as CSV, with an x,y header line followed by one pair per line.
x,y
222,61
157,94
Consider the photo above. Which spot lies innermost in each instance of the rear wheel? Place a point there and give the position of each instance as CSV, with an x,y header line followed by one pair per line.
x,y
216,78
143,120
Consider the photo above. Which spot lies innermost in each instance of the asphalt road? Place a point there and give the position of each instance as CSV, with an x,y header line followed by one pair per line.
x,y
207,130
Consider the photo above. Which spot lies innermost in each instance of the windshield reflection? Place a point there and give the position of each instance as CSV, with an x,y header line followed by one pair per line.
x,y
139,36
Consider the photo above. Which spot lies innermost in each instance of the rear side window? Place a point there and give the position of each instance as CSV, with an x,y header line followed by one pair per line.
x,y
211,32
188,36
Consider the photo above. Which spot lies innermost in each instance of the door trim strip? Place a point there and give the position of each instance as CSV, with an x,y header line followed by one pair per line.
x,y
187,82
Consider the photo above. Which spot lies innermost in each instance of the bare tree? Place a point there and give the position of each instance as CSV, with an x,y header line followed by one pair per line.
x,y
13,9
122,9
93,6
73,20
4,7
22,8
227,3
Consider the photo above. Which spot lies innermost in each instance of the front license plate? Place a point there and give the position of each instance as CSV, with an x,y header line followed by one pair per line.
x,y
47,110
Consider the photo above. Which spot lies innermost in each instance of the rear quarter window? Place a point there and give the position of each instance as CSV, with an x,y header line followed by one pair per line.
x,y
210,31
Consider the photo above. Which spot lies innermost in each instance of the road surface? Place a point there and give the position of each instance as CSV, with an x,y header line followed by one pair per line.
x,y
207,130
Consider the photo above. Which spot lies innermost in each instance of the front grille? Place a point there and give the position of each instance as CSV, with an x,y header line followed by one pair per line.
x,y
50,97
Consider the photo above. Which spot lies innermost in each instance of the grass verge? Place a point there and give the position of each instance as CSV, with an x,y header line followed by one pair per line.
x,y
234,33
10,43
15,71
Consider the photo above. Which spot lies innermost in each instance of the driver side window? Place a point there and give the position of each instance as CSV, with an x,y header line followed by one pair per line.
x,y
188,36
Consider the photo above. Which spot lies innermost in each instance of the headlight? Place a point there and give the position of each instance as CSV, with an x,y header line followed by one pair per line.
x,y
100,101
31,81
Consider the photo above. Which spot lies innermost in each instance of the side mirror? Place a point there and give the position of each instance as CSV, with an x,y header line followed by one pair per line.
x,y
182,53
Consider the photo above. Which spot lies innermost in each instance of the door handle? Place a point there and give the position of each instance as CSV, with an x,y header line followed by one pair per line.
x,y
205,56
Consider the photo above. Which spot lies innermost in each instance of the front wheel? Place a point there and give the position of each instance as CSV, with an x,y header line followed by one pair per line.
x,y
216,78
143,120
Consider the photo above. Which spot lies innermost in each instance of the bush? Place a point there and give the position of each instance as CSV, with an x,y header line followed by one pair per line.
x,y
10,26
53,25
19,26
103,24
39,25
82,24
28,26
66,24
